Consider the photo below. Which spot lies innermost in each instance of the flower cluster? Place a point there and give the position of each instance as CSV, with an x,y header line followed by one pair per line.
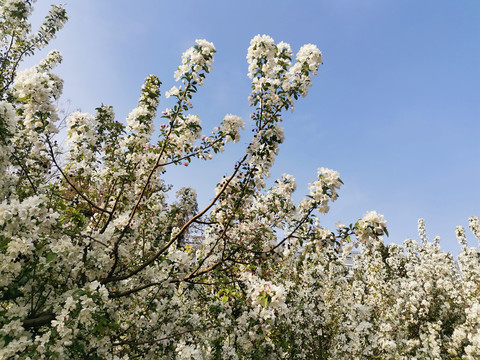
x,y
274,78
15,13
196,61
231,126
325,188
474,225
370,226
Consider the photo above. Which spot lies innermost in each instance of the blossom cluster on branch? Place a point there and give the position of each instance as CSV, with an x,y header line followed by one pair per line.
x,y
95,263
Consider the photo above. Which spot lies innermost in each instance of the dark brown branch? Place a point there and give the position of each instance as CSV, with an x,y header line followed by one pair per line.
x,y
289,236
138,343
191,154
132,291
110,216
25,171
42,319
70,183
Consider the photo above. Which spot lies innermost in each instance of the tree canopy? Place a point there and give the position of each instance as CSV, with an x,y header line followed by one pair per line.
x,y
96,263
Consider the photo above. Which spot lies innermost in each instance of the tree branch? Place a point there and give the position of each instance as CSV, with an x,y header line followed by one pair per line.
x,y
42,319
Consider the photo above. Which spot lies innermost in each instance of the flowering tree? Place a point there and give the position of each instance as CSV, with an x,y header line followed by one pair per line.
x,y
95,263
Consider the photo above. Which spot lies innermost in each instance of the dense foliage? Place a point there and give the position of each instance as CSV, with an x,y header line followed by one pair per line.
x,y
95,263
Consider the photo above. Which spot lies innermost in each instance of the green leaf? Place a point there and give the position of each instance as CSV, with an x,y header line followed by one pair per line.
x,y
51,256
265,301
4,243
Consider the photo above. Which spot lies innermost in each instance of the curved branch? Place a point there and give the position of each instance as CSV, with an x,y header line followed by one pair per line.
x,y
39,321
52,155
25,171
138,343
134,290
111,278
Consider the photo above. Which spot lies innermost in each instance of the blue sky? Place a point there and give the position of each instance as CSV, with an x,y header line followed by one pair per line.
x,y
395,108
